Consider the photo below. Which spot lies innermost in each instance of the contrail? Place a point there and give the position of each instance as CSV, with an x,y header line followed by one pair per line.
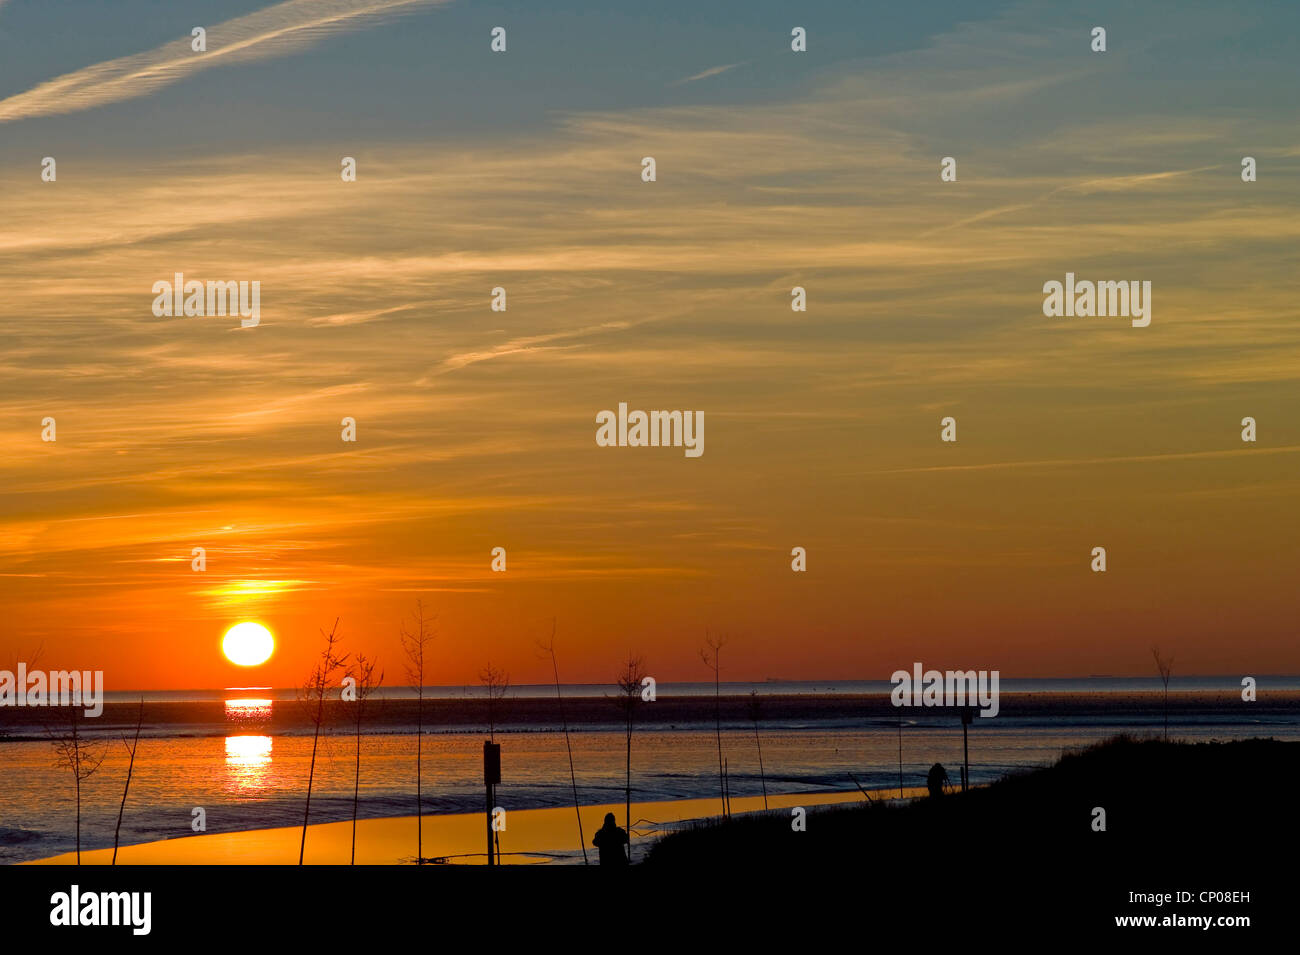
x,y
280,29
711,71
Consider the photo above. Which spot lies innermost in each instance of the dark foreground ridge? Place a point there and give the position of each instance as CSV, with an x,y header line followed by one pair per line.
x,y
1193,831
1164,802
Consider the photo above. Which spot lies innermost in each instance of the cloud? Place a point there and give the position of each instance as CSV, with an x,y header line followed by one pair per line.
x,y
275,31
711,71
522,346
1087,462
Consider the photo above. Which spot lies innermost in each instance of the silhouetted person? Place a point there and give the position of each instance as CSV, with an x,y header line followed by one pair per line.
x,y
937,779
610,840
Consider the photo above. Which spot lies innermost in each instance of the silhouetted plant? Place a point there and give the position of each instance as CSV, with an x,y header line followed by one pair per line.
x,y
549,648
363,672
130,768
313,695
1166,667
415,643
755,707
496,683
629,695
710,653
77,754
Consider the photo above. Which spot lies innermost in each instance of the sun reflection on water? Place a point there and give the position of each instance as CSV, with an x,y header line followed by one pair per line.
x,y
248,755
247,711
248,751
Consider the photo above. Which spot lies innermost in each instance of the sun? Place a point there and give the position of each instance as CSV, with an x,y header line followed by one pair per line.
x,y
248,644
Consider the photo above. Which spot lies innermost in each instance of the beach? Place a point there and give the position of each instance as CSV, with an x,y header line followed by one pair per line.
x,y
530,837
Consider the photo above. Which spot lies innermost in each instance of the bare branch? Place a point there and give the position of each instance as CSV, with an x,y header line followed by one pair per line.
x,y
495,682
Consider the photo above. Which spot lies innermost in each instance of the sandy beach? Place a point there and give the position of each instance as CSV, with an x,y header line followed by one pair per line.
x,y
532,836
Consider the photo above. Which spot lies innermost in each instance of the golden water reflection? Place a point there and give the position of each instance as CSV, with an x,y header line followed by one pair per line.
x,y
248,750
248,760
248,755
245,711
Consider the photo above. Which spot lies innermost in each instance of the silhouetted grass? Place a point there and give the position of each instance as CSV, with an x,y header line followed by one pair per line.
x,y
1164,802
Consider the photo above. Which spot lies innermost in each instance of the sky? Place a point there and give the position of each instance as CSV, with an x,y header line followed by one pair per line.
x,y
476,428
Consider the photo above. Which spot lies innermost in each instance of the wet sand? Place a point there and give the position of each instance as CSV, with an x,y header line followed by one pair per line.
x,y
531,836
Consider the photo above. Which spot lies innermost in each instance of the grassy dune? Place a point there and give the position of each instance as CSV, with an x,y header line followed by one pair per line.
x,y
1213,806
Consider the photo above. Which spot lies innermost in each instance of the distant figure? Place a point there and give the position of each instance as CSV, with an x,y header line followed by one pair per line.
x,y
937,779
610,840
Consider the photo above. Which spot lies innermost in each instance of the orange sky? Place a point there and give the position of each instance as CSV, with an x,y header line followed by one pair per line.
x,y
476,428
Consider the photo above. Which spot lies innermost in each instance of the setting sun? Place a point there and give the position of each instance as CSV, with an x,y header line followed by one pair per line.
x,y
248,644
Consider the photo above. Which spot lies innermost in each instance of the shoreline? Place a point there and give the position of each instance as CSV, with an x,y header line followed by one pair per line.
x,y
531,836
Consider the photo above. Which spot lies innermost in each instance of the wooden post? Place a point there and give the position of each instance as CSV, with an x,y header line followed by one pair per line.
x,y
491,856
900,754
491,776
967,712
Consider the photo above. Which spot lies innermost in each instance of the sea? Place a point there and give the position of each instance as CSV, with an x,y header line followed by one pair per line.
x,y
243,755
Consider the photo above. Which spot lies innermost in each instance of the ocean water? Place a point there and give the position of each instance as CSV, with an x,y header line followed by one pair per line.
x,y
244,756
1085,685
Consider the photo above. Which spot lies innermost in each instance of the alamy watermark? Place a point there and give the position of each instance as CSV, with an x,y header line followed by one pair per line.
x,y
75,907
194,298
53,688
651,429
1086,299
946,688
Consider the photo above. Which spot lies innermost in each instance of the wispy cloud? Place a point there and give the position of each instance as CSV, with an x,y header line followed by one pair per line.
x,y
705,74
523,346
275,31
1085,462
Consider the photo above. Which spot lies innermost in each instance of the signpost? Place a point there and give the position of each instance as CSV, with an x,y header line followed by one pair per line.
x,y
491,776
967,714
